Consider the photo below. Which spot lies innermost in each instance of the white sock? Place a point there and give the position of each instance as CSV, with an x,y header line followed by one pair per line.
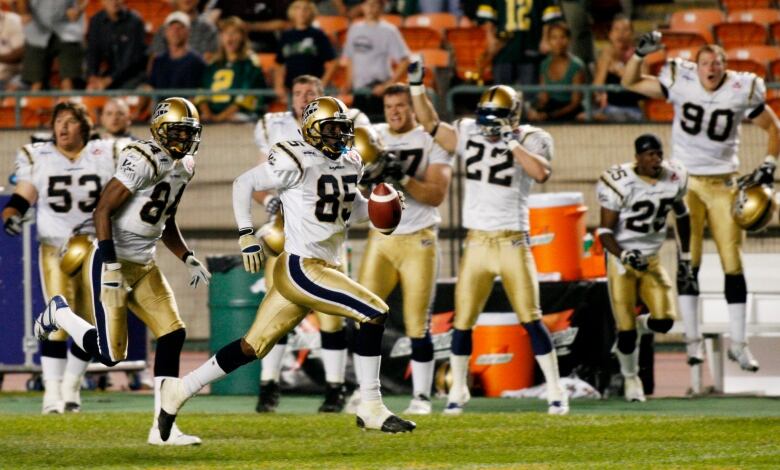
x,y
272,363
549,365
422,378
335,362
459,365
737,319
629,363
355,366
75,366
52,368
76,326
641,325
369,377
208,372
157,383
689,306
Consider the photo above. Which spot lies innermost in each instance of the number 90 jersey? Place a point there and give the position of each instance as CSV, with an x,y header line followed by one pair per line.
x,y
497,188
416,150
705,132
642,205
157,182
68,190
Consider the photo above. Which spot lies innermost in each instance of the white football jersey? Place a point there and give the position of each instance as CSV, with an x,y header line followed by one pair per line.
x,y
276,127
68,190
318,195
643,206
705,131
157,182
497,188
417,151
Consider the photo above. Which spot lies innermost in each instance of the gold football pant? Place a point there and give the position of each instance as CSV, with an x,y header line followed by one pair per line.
x,y
504,253
151,300
410,259
709,202
303,284
653,287
55,282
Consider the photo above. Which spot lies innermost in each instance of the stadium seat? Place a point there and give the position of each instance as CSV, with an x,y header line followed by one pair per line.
x,y
774,104
738,34
396,20
331,25
754,59
682,39
438,21
698,21
152,12
420,37
655,61
774,32
764,16
468,45
37,110
687,53
774,69
731,5
434,59
341,38
267,63
94,104
659,110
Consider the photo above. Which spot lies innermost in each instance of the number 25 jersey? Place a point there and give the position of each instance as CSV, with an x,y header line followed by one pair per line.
x,y
705,131
497,188
157,182
641,204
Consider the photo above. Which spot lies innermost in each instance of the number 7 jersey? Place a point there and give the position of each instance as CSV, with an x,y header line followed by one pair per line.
x,y
642,205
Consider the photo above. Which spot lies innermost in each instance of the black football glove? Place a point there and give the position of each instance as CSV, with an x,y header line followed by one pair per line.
x,y
634,259
648,43
13,225
393,170
273,205
416,72
687,282
764,174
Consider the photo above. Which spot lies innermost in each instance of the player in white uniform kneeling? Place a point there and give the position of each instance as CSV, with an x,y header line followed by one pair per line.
x,y
635,199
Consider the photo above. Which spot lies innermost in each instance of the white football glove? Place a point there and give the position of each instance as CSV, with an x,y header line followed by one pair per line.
x,y
507,133
634,259
251,252
198,272
13,225
113,291
648,43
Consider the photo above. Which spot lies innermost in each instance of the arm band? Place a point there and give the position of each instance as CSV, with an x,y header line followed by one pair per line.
x,y
107,251
19,203
246,231
603,231
435,129
685,256
513,144
417,90
681,214
186,255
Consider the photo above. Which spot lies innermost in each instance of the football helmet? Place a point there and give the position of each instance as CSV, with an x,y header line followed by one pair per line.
x,y
371,149
272,235
499,105
753,205
176,127
323,110
74,253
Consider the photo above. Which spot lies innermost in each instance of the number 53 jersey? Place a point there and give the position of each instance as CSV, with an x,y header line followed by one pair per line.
x,y
497,188
156,182
642,204
705,132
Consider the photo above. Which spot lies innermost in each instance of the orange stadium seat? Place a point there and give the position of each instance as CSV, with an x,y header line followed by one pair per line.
x,y
468,45
730,5
94,104
774,104
659,110
438,21
420,37
267,63
396,20
754,59
341,38
331,25
434,59
698,21
687,53
764,16
655,61
774,69
774,32
740,34
682,39
153,12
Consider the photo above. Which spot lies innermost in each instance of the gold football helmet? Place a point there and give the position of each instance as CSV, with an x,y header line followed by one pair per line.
x,y
272,235
499,105
371,149
321,111
176,127
74,253
753,206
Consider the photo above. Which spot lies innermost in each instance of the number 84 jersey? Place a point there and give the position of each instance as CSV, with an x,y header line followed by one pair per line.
x,y
643,204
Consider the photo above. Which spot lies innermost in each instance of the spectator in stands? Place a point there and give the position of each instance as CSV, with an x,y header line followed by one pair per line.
x,y
115,120
179,66
116,53
371,47
620,106
560,67
203,33
303,50
11,49
264,19
350,8
232,69
577,14
52,28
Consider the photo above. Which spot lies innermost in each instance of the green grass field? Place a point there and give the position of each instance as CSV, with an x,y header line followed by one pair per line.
x,y
494,433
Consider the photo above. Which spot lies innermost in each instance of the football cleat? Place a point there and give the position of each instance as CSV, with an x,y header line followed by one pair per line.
x,y
558,408
269,397
176,438
334,398
695,350
45,324
375,415
52,399
71,393
353,402
739,352
456,401
172,398
453,409
420,405
633,389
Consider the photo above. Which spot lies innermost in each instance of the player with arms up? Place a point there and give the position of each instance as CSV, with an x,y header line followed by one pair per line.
x,y
136,209
317,183
710,104
635,199
64,178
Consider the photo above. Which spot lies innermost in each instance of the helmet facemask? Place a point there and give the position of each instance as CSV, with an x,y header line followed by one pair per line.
x,y
491,119
180,138
333,144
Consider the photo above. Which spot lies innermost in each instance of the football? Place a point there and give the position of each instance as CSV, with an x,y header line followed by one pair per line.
x,y
384,208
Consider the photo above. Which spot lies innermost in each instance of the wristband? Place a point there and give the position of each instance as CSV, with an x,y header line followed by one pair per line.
x,y
683,214
603,231
685,256
513,144
19,203
435,129
186,255
246,231
417,90
770,159
107,251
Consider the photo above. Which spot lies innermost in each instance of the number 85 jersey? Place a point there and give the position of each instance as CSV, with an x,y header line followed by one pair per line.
x,y
642,204
497,188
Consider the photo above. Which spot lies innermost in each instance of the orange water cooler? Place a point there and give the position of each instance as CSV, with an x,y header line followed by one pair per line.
x,y
557,233
501,358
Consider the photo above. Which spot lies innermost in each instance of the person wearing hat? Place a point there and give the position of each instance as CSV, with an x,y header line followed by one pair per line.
x,y
179,66
203,33
635,199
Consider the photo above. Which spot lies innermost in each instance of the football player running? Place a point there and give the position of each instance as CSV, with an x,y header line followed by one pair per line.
x,y
64,179
409,255
317,182
271,129
136,209
635,199
710,103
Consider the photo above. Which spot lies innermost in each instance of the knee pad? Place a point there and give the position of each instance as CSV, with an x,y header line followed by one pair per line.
x,y
166,357
626,341
660,325
55,349
461,342
735,289
336,340
80,353
422,348
368,341
232,356
541,343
